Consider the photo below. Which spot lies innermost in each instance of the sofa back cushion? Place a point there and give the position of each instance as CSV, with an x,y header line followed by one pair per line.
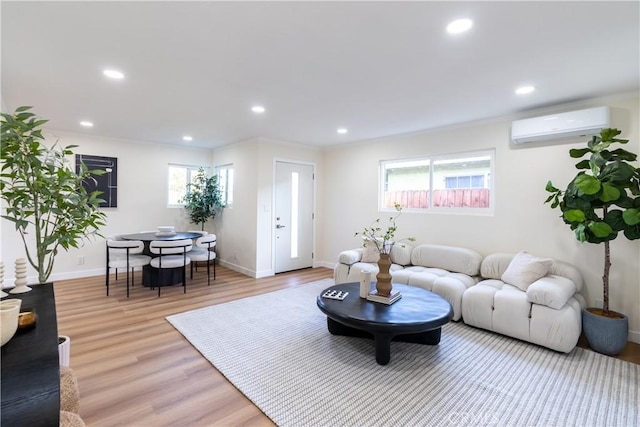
x,y
564,269
494,265
401,254
452,258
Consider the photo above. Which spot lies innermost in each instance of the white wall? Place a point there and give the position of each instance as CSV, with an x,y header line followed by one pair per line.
x,y
236,224
245,230
521,221
142,201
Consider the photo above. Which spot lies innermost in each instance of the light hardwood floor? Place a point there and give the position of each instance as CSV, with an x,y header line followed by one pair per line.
x,y
134,369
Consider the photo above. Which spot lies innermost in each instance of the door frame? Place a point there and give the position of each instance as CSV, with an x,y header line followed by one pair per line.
x,y
276,160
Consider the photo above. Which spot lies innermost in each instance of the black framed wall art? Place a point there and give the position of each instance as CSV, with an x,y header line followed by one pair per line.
x,y
107,183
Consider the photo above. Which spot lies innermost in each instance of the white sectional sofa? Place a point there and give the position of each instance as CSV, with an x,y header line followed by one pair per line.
x,y
533,299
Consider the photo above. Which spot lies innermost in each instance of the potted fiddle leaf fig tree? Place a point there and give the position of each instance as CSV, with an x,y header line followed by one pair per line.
x,y
203,198
44,196
600,204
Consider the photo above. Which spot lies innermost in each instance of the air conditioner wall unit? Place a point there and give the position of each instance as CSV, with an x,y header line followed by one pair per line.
x,y
571,124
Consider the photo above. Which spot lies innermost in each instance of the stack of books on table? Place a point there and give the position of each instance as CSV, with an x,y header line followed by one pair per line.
x,y
393,297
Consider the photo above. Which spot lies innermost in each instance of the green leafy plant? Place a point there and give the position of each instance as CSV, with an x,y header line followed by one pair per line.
x,y
203,198
603,199
383,239
44,195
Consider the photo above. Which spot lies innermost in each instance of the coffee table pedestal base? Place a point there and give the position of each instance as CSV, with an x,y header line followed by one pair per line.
x,y
383,340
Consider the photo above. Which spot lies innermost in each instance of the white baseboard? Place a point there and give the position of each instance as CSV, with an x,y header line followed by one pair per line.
x,y
238,268
326,264
79,274
264,273
634,336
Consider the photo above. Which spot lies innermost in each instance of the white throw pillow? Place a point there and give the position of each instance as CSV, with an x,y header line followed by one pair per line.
x,y
524,269
370,253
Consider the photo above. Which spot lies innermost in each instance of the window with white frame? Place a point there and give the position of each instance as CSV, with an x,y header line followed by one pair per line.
x,y
459,181
225,180
179,177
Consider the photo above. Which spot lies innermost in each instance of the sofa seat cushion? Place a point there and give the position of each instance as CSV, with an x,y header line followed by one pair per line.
x,y
499,307
477,303
417,269
423,279
449,286
511,312
556,329
552,291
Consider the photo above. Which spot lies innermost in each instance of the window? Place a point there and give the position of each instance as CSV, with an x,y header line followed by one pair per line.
x,y
461,181
179,177
225,180
475,181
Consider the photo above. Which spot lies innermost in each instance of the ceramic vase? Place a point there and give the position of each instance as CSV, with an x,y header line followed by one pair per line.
x,y
383,284
9,311
21,277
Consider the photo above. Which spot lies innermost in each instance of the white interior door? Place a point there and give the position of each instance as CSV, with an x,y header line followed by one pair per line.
x,y
293,216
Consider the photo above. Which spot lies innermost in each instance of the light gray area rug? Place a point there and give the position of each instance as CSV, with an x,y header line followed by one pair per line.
x,y
276,349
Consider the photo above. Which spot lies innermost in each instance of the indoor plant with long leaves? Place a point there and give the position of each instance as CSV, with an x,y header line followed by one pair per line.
x,y
601,203
203,198
44,196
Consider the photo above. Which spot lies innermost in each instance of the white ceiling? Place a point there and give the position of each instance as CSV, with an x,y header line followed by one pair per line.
x,y
377,68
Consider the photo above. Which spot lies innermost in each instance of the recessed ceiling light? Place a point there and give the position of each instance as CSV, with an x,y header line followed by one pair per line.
x,y
86,124
459,26
187,138
524,90
258,109
113,74
342,130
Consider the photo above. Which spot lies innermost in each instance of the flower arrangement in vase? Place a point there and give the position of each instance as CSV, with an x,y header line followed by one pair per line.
x,y
383,240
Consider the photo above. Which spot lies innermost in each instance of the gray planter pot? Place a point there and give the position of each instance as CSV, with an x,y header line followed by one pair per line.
x,y
604,334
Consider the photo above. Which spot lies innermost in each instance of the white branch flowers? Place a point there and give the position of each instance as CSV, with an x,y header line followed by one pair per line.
x,y
383,239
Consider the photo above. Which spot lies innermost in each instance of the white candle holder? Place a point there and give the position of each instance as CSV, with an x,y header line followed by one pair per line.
x,y
365,283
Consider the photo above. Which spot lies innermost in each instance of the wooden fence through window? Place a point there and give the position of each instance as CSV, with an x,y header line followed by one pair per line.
x,y
445,198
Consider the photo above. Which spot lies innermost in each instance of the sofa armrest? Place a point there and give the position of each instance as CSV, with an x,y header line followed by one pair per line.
x,y
552,291
350,257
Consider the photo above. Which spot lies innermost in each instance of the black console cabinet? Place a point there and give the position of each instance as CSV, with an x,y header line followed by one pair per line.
x,y
30,389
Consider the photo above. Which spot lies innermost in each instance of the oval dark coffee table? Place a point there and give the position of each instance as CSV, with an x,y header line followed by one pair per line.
x,y
417,317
